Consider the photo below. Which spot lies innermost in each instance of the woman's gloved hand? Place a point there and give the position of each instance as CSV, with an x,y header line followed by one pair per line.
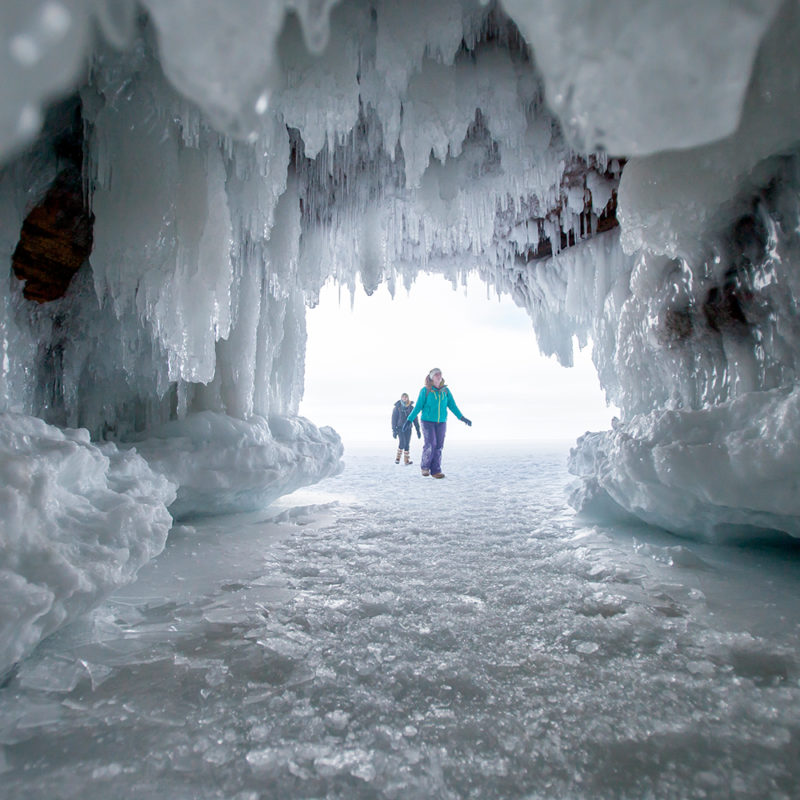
x,y
406,425
466,421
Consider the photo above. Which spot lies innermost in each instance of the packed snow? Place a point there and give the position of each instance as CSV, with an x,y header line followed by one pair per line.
x,y
627,171
383,635
79,519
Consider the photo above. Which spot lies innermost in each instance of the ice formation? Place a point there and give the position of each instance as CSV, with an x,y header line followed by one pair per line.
x,y
78,520
627,170
224,465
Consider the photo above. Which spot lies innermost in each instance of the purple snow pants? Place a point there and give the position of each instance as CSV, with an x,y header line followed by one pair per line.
x,y
432,449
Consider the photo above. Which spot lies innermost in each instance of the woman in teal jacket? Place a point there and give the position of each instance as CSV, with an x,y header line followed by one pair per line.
x,y
432,404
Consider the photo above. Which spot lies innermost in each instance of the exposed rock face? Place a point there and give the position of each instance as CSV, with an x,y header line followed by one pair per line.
x,y
56,239
56,235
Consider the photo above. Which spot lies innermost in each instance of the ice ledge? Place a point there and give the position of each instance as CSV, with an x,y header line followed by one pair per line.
x,y
723,473
225,465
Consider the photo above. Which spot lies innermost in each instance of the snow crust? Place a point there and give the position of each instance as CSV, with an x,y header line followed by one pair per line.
x,y
237,156
78,520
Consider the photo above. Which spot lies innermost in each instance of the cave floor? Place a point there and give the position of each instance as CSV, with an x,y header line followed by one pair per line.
x,y
384,635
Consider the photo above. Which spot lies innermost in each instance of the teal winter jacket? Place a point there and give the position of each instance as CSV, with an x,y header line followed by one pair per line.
x,y
433,403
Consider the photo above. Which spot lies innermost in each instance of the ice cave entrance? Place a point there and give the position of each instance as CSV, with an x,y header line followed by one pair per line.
x,y
364,351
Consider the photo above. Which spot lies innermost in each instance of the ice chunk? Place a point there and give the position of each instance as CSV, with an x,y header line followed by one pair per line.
x,y
269,759
722,473
78,520
51,674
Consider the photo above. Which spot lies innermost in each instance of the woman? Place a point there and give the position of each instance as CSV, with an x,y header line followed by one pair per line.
x,y
433,401
402,408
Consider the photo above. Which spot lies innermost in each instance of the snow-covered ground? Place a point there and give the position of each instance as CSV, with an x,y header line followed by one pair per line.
x,y
387,636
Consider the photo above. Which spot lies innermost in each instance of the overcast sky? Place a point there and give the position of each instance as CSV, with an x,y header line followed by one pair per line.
x,y
359,362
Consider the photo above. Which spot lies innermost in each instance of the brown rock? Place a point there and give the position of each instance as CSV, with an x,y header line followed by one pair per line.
x,y
55,240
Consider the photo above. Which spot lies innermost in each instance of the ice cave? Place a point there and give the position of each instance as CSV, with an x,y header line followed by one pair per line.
x,y
178,181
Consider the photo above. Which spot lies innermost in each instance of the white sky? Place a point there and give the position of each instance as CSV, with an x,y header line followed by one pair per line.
x,y
360,361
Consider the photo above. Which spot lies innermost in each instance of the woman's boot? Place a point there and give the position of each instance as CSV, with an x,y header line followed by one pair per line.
x,y
407,459
397,457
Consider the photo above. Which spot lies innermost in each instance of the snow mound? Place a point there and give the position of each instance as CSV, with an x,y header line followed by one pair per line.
x,y
226,465
78,520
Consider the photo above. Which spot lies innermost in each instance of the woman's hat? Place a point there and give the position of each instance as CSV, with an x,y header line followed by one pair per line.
x,y
433,372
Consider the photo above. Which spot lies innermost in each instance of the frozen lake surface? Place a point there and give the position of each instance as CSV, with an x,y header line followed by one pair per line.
x,y
382,635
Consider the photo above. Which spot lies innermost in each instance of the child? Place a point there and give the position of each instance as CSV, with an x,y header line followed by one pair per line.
x,y
402,408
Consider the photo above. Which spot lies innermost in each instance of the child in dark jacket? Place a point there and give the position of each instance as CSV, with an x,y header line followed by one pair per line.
x,y
402,408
